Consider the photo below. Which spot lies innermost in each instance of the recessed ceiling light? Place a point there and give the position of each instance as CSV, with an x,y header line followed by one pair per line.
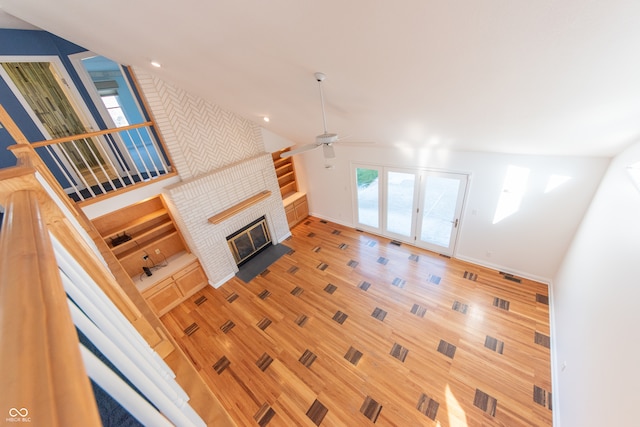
x,y
156,64
266,119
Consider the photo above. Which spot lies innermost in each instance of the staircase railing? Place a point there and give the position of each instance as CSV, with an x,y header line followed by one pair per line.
x,y
40,379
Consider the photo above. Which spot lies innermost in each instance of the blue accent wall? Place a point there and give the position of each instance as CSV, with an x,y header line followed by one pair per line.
x,y
32,43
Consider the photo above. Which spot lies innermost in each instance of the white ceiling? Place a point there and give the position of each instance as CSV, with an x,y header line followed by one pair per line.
x,y
537,77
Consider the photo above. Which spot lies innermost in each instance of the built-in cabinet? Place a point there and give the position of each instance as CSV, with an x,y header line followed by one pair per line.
x,y
296,208
164,294
295,203
145,240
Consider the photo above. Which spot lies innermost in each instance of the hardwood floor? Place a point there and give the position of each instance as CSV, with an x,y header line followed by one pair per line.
x,y
350,329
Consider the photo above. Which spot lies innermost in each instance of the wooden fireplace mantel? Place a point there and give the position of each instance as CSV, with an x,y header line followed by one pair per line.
x,y
228,213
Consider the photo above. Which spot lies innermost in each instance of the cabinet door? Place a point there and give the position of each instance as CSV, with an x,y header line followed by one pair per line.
x,y
302,208
165,295
291,214
191,280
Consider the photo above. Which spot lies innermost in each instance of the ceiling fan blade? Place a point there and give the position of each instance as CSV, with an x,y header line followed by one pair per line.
x,y
298,150
329,153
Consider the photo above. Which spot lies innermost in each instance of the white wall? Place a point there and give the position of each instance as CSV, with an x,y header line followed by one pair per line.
x,y
530,243
595,305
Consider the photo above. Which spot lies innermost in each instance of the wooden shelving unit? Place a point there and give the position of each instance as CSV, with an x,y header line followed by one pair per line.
x,y
286,174
295,203
152,231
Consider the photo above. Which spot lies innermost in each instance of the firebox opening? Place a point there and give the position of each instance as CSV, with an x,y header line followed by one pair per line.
x,y
249,241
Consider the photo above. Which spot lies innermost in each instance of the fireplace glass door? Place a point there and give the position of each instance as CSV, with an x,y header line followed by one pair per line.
x,y
249,241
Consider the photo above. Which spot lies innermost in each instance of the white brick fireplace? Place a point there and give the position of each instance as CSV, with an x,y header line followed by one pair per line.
x,y
195,200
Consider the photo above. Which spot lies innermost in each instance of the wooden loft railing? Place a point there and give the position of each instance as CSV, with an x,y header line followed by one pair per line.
x,y
40,355
100,164
39,363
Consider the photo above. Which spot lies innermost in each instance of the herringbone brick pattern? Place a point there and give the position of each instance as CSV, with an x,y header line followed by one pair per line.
x,y
200,136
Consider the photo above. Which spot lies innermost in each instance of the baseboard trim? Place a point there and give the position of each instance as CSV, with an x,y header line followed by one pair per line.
x,y
502,268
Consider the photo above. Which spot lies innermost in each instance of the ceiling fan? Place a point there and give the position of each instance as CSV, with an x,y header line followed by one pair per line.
x,y
324,140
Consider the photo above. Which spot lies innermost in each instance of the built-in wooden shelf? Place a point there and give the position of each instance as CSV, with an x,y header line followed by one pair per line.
x,y
228,213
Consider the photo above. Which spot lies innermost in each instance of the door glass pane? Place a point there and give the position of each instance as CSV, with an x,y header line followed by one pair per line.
x,y
368,200
439,210
400,191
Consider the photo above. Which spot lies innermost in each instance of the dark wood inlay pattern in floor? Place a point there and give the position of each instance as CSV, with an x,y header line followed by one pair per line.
x,y
399,352
264,294
353,355
264,415
460,307
470,276
264,361
221,364
307,358
200,300
311,235
340,317
308,222
227,326
265,272
301,320
428,406
336,232
264,323
316,249
432,278
316,412
543,299
494,344
542,397
291,252
371,409
447,349
542,339
322,221
379,313
511,277
322,266
364,285
330,289
399,283
382,260
293,269
485,402
396,242
191,329
418,310
352,263
356,360
501,303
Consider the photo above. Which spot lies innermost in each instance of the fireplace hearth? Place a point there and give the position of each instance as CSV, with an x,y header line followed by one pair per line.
x,y
249,241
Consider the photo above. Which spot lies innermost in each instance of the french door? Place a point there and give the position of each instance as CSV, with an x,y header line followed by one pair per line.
x,y
420,207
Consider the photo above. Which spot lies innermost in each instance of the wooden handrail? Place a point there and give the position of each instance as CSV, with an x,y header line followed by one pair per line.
x,y
40,361
88,135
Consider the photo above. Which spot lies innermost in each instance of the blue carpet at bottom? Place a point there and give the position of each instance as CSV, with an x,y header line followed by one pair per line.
x,y
261,261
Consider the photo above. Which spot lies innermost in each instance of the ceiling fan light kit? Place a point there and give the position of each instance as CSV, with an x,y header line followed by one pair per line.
x,y
324,140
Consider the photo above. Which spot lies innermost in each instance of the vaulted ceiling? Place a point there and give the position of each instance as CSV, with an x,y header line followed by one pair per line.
x,y
541,77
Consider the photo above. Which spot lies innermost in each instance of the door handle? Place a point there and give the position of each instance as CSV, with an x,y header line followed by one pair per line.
x,y
455,223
